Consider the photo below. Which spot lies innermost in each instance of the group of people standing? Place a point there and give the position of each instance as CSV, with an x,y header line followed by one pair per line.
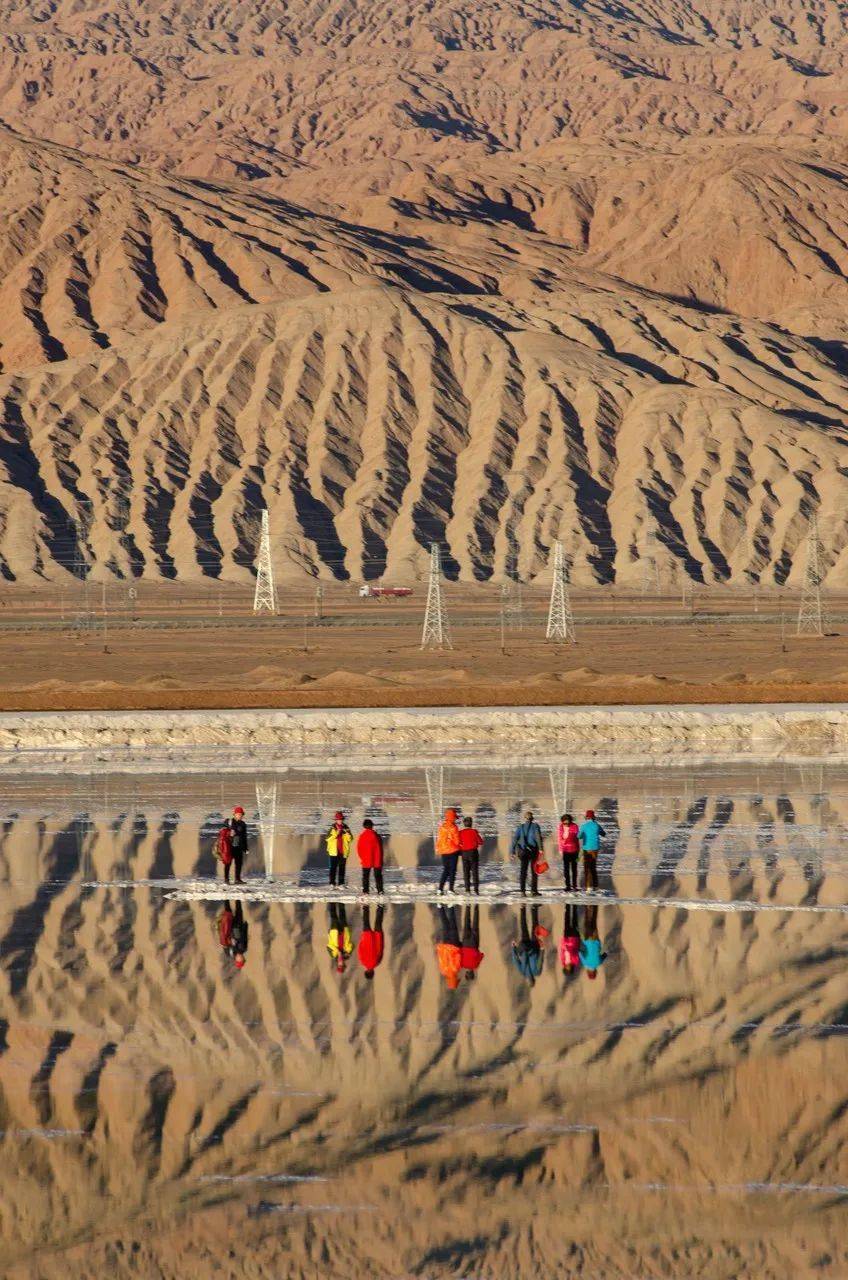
x,y
369,850
454,843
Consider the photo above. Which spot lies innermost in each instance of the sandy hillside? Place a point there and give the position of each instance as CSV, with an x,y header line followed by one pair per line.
x,y
703,1059
404,275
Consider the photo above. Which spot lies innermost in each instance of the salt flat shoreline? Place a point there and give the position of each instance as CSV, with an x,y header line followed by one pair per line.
x,y
364,735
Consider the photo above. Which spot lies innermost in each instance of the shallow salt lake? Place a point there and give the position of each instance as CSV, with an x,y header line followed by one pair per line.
x,y
683,1112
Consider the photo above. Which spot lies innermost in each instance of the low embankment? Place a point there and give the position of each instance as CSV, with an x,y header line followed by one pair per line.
x,y
437,732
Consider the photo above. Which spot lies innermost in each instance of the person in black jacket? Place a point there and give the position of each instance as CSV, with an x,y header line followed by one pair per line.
x,y
238,827
239,937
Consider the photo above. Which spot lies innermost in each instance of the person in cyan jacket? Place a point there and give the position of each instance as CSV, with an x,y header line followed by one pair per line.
x,y
372,942
369,847
591,834
592,954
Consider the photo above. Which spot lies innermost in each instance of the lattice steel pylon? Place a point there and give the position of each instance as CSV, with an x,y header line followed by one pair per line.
x,y
436,632
811,620
265,596
560,617
558,775
266,803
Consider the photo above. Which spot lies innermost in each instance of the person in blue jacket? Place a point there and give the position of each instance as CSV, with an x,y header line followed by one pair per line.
x,y
591,833
527,954
527,846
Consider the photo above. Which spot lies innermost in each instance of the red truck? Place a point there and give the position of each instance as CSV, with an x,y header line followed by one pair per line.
x,y
369,592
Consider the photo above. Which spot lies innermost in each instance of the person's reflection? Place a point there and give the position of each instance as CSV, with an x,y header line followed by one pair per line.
x,y
470,955
569,943
592,954
527,952
232,933
448,951
372,942
339,941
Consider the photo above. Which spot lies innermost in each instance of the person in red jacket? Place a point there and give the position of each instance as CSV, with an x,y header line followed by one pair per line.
x,y
372,942
369,846
470,955
470,844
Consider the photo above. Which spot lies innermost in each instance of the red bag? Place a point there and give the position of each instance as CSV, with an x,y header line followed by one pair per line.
x,y
540,867
224,846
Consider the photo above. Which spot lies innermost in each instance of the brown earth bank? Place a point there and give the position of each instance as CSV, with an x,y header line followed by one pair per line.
x,y
278,664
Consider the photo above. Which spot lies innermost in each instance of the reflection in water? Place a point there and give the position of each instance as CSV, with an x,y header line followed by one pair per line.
x,y
429,1091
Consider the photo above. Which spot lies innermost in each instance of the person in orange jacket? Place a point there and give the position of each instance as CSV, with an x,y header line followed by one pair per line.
x,y
447,847
372,942
369,846
448,951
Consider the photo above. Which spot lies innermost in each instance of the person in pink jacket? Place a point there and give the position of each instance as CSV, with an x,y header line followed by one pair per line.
x,y
568,841
569,943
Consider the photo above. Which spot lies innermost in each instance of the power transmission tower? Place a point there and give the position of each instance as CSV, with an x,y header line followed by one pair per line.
x,y
266,803
811,621
560,616
265,596
436,633
650,568
558,775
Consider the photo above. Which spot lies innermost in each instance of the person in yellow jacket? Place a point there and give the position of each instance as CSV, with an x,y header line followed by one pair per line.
x,y
447,847
339,940
338,842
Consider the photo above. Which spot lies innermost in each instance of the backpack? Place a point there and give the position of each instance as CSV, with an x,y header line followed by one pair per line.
x,y
224,846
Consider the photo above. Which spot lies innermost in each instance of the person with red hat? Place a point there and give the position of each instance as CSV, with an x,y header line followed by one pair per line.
x,y
372,942
239,936
232,933
369,847
592,954
339,941
591,832
238,844
338,842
